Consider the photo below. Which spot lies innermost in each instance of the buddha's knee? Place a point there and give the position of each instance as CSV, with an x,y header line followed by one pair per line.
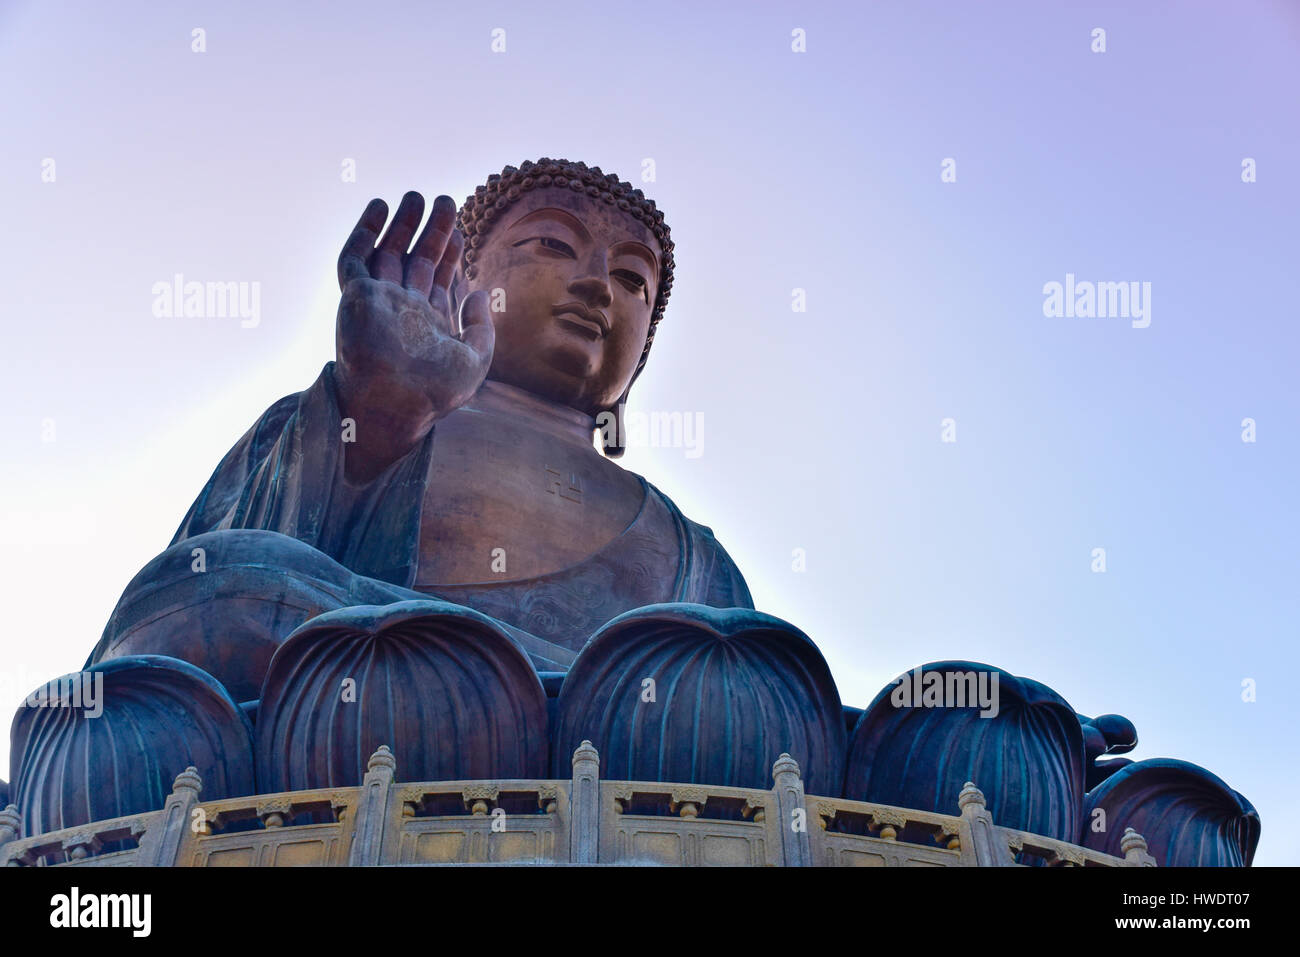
x,y
225,600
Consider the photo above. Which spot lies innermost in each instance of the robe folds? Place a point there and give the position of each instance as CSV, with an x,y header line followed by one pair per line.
x,y
286,475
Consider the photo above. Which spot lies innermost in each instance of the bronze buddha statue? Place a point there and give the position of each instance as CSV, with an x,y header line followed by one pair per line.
x,y
425,549
459,459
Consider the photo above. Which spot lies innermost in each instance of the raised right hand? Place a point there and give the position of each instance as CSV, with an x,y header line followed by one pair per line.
x,y
402,362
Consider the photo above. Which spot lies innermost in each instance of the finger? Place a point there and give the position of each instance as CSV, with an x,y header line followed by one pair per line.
x,y
418,276
428,250
477,330
442,279
440,295
386,263
356,251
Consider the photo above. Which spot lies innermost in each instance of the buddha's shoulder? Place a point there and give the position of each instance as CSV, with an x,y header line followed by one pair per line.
x,y
321,392
713,578
702,535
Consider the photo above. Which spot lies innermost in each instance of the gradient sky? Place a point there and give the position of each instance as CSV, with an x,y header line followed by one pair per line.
x,y
775,170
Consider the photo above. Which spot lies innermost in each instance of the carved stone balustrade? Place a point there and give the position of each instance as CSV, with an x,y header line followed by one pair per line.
x,y
582,820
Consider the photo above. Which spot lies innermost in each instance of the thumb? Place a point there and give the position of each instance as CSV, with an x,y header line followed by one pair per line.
x,y
476,328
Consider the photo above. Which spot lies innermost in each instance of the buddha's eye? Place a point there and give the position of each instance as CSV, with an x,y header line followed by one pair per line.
x,y
634,281
554,245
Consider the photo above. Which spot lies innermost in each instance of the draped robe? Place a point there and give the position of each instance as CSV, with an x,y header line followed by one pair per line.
x,y
286,475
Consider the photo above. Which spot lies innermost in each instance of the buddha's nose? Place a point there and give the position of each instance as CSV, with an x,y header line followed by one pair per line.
x,y
593,288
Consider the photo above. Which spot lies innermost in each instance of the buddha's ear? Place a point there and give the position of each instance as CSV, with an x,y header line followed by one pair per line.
x,y
613,428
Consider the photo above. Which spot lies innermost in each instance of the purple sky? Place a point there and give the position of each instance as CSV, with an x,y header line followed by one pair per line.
x,y
776,170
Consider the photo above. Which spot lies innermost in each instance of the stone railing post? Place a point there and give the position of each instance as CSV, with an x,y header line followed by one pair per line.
x,y
11,828
161,842
985,842
584,806
372,809
796,848
1134,847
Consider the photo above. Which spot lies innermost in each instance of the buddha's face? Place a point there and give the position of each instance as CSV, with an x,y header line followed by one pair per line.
x,y
577,279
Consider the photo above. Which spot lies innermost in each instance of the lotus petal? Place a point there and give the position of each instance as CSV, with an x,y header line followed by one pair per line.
x,y
1028,758
732,689
109,741
1188,816
442,685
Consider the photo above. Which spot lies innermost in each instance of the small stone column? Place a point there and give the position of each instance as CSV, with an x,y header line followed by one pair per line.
x,y
584,806
372,809
1134,847
796,848
11,828
160,845
985,843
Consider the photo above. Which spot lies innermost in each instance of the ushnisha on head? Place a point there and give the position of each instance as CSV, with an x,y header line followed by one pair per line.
x,y
579,265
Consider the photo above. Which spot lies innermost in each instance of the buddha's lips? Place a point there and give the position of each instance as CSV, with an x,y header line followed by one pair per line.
x,y
588,320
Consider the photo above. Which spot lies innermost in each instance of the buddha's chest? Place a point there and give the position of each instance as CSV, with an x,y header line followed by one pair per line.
x,y
504,501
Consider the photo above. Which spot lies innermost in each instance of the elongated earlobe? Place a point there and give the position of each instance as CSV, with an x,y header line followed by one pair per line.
x,y
613,432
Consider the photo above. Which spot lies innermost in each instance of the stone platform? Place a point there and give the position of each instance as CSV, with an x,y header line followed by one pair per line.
x,y
579,820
